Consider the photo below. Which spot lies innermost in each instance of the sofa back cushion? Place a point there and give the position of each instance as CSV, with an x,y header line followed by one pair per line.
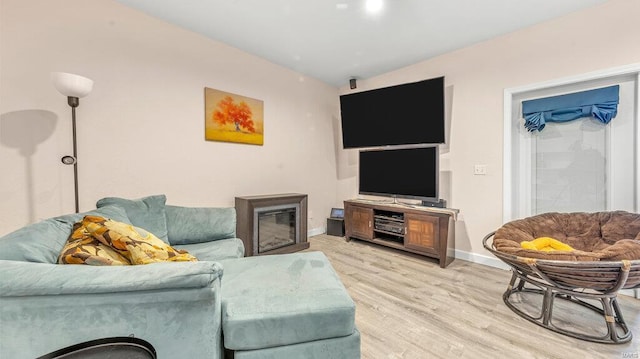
x,y
147,213
42,242
189,225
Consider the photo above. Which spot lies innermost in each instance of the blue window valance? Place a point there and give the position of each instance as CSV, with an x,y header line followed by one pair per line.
x,y
601,104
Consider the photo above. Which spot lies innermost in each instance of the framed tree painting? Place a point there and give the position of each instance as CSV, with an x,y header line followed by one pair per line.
x,y
233,118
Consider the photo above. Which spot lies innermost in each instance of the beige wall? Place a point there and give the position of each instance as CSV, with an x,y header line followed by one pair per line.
x,y
141,130
602,37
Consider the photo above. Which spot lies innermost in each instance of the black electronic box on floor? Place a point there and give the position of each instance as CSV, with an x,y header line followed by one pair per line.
x,y
335,222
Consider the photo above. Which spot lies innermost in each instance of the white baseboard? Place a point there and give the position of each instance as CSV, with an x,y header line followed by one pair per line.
x,y
630,292
315,231
481,259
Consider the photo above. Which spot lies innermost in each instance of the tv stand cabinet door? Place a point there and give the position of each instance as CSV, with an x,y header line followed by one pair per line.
x,y
422,233
358,222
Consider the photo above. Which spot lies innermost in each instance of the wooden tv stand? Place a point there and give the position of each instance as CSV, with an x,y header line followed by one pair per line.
x,y
422,230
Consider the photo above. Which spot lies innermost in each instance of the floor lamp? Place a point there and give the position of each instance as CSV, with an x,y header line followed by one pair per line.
x,y
74,87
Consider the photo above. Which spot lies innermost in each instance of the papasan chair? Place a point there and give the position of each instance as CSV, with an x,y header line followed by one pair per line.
x,y
583,258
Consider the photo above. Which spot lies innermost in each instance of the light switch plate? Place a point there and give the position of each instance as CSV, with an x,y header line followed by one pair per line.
x,y
480,170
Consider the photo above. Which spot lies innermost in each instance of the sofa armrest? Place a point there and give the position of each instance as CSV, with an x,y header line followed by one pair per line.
x,y
174,306
36,279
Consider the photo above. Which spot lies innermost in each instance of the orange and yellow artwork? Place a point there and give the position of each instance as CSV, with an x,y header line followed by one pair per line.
x,y
233,118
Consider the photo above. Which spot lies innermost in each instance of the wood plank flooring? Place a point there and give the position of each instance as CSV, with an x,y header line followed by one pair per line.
x,y
408,307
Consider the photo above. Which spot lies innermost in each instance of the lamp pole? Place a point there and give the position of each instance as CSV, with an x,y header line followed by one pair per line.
x,y
74,87
74,102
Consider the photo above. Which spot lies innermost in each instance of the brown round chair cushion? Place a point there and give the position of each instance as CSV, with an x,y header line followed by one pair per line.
x,y
605,236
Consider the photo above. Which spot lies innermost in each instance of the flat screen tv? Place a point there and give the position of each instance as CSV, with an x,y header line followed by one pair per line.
x,y
404,173
406,114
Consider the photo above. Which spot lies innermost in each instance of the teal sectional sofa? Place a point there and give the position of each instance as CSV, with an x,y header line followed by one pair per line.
x,y
284,306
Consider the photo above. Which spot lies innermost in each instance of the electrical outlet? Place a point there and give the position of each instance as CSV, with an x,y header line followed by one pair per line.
x,y
480,170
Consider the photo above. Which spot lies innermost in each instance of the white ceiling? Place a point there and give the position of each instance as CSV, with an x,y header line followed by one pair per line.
x,y
334,40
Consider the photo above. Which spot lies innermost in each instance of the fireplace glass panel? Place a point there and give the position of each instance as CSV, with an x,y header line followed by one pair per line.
x,y
276,228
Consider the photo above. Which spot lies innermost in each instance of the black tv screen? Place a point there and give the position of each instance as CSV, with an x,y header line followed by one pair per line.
x,y
406,114
405,173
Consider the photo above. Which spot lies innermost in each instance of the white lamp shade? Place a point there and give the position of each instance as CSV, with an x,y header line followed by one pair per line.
x,y
71,85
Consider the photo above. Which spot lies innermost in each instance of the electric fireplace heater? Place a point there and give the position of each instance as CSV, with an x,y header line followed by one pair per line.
x,y
272,224
275,227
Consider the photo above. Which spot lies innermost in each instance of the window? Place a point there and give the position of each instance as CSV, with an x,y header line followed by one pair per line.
x,y
582,165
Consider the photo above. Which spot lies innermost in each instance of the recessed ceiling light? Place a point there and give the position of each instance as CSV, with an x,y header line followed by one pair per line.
x,y
374,6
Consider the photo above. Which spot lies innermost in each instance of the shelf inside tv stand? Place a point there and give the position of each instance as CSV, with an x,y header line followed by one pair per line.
x,y
421,230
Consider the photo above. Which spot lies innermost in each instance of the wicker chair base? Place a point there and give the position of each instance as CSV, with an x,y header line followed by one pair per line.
x,y
575,282
617,330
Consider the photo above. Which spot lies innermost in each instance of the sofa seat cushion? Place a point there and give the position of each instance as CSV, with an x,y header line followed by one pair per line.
x,y
331,348
277,300
216,250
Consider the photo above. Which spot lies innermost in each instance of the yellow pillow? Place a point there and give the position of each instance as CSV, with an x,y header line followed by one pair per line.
x,y
82,248
105,240
545,244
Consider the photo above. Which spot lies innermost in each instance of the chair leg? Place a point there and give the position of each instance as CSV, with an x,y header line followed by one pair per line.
x,y
513,281
617,330
613,317
609,318
547,306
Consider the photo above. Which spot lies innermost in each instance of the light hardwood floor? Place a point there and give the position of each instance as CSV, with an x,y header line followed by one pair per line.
x,y
408,307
